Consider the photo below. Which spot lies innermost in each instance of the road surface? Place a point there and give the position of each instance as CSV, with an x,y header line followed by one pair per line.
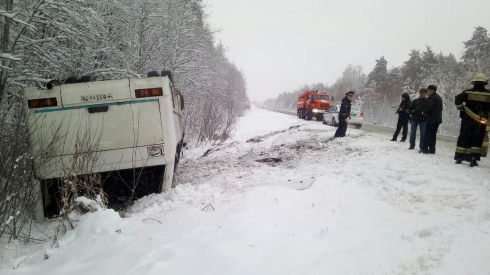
x,y
383,130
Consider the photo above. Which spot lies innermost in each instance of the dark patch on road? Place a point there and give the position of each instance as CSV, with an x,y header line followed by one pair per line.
x,y
261,138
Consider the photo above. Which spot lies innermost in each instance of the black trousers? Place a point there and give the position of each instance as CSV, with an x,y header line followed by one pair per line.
x,y
402,123
342,128
430,137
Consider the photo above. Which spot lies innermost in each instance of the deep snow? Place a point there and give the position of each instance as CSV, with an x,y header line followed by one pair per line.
x,y
373,207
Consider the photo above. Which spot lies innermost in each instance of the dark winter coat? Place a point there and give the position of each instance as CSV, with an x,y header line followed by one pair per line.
x,y
417,107
474,105
433,110
404,113
344,109
478,107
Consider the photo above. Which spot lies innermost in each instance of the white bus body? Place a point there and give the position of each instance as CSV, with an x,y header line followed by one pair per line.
x,y
133,128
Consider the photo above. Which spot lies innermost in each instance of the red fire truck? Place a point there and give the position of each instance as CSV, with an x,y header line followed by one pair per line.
x,y
312,104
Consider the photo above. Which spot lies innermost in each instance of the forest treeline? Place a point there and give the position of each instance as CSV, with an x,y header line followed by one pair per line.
x,y
380,90
41,40
113,39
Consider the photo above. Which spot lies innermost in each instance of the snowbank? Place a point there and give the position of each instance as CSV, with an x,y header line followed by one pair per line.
x,y
373,207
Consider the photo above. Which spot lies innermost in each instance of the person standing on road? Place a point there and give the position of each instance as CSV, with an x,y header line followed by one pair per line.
x,y
417,119
403,117
433,114
344,114
474,106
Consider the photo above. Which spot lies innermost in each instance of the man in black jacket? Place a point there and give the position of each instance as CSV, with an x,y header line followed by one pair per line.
x,y
344,114
403,117
433,114
417,119
474,105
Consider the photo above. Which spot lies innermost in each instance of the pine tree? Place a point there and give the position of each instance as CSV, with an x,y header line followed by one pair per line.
x,y
476,55
411,73
379,74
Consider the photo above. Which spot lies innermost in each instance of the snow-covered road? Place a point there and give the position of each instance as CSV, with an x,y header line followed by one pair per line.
x,y
373,207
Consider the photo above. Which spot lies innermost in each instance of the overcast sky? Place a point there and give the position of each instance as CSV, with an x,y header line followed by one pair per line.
x,y
281,44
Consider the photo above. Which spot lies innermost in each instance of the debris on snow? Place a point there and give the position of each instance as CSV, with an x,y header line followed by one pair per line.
x,y
249,156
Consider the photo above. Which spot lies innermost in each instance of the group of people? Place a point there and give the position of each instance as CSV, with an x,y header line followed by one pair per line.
x,y
425,113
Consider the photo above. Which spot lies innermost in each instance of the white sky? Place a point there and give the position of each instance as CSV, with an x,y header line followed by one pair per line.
x,y
282,44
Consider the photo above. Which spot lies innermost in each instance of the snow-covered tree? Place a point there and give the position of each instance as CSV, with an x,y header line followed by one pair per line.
x,y
41,40
476,55
379,74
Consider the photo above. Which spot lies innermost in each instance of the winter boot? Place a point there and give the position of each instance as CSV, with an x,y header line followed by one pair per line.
x,y
459,161
473,162
393,139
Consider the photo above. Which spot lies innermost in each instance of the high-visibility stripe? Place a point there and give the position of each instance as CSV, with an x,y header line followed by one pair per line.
x,y
476,117
462,150
477,93
459,106
475,150
480,98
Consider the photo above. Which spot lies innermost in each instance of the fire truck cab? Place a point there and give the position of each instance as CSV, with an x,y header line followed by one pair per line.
x,y
312,104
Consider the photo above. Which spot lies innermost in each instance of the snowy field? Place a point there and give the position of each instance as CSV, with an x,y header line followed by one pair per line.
x,y
356,205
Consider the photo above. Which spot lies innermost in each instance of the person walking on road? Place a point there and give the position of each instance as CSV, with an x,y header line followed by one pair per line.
x,y
474,106
344,114
417,119
403,117
433,114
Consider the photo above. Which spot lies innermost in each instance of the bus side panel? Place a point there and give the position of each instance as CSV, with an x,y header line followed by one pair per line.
x,y
136,123
112,160
170,139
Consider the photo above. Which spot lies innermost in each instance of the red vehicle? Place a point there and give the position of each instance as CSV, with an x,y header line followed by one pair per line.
x,y
312,104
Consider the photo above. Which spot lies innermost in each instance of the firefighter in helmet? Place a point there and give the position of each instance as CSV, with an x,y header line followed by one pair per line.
x,y
474,106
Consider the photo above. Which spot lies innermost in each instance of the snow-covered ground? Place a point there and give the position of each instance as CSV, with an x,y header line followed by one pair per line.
x,y
356,205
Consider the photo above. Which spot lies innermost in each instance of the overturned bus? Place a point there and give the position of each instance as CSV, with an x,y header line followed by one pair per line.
x,y
127,132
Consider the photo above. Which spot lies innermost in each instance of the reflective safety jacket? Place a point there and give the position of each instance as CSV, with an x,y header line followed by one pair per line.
x,y
475,103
